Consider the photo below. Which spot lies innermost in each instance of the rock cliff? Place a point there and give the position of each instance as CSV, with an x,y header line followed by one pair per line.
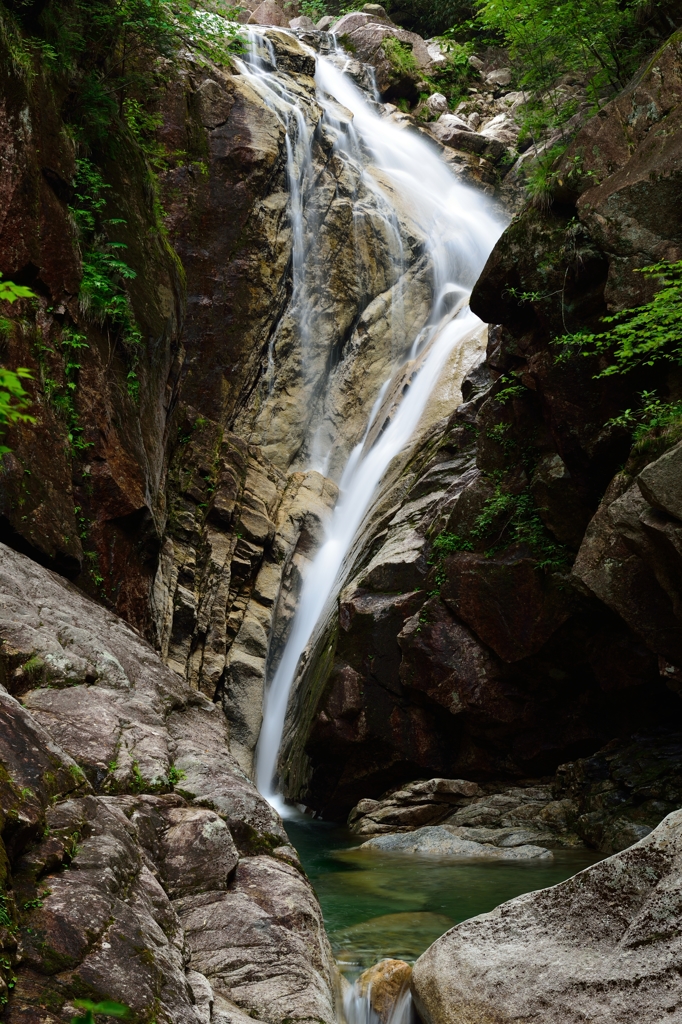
x,y
562,636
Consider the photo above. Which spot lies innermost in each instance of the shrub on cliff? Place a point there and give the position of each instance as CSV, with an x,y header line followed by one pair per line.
x,y
103,51
14,399
643,336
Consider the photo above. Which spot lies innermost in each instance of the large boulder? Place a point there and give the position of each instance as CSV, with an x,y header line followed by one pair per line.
x,y
603,946
383,985
399,64
631,556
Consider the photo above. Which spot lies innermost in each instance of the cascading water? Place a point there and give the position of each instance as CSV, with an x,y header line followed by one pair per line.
x,y
460,231
357,1007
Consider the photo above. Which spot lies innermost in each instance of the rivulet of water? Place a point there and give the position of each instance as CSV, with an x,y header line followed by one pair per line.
x,y
460,229
357,1006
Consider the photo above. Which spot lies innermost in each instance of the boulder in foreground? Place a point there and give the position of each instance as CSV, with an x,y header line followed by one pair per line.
x,y
604,946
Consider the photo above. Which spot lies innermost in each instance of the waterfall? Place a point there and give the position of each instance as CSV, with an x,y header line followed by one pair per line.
x,y
460,230
357,1006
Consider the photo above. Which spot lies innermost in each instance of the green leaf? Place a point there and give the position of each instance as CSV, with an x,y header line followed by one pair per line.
x,y
108,1007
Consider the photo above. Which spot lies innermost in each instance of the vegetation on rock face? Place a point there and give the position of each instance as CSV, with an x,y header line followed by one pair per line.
x,y
643,336
505,519
102,52
14,399
602,40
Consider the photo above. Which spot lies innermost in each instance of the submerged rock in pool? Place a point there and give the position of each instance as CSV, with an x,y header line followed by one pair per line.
x,y
398,936
439,841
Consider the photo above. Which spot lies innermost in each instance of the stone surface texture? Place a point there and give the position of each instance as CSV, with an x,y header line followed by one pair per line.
x,y
438,841
383,985
137,861
602,946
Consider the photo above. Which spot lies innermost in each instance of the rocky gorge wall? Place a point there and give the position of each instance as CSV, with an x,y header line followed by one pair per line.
x,y
186,505
183,513
508,669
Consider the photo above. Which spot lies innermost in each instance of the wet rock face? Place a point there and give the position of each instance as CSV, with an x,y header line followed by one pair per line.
x,y
384,984
630,557
616,797
137,861
537,643
104,496
563,953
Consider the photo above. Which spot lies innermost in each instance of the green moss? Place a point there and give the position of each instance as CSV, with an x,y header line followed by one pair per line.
x,y
400,56
347,43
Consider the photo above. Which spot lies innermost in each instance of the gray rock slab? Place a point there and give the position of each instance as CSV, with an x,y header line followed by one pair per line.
x,y
438,841
661,482
604,946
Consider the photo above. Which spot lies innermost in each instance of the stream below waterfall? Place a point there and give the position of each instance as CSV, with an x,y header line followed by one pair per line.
x,y
394,905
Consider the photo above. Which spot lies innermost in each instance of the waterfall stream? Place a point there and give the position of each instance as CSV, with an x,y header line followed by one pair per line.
x,y
460,230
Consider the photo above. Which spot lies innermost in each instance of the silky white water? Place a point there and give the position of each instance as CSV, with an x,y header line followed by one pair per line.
x,y
357,1007
459,230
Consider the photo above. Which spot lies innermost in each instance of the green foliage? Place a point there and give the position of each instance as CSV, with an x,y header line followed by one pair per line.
x,y
175,775
5,916
655,425
437,17
38,901
10,292
541,180
63,396
14,399
106,51
108,1008
347,43
400,56
314,9
643,335
455,75
138,783
510,392
33,666
514,519
504,519
548,38
103,296
597,43
450,542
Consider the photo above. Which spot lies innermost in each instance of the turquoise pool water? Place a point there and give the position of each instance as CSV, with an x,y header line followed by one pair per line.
x,y
391,905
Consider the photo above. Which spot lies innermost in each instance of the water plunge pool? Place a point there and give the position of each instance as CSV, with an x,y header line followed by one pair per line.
x,y
391,905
